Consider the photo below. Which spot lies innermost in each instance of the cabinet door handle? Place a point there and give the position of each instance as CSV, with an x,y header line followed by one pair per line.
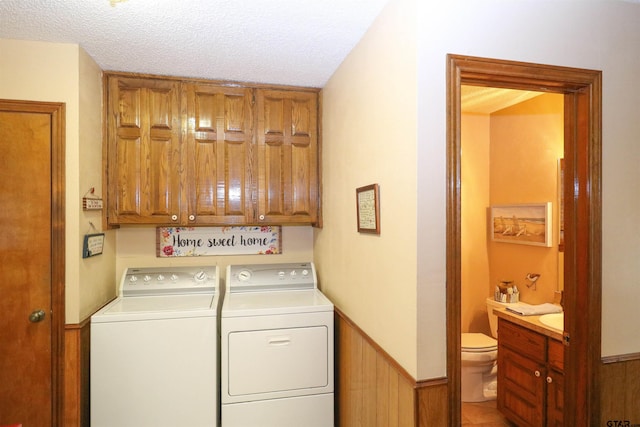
x,y
174,217
549,380
192,217
536,373
261,217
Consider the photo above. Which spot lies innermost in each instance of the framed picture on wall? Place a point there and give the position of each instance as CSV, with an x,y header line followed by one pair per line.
x,y
368,208
525,224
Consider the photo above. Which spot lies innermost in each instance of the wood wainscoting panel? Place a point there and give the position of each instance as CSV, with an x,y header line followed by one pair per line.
x,y
620,391
433,403
373,390
76,374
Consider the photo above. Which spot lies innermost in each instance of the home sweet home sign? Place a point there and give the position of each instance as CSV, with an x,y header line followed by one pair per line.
x,y
209,241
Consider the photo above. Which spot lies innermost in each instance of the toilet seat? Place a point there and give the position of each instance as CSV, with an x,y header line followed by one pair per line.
x,y
478,349
478,343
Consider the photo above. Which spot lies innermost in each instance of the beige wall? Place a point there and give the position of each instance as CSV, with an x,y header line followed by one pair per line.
x,y
527,142
66,73
385,121
92,292
369,133
137,248
474,262
509,157
51,72
394,285
546,33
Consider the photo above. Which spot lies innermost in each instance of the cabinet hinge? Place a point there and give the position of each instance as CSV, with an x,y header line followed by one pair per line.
x,y
566,338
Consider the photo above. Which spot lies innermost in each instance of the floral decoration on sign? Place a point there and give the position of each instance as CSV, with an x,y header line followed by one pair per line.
x,y
207,241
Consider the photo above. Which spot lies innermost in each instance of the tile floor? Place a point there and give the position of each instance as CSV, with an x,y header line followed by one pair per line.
x,y
483,414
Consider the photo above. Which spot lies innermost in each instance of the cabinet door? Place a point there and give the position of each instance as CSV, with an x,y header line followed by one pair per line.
x,y
521,387
143,138
555,399
217,180
287,157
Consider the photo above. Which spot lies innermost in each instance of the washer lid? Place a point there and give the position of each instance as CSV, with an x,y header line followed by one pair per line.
x,y
157,307
274,302
477,342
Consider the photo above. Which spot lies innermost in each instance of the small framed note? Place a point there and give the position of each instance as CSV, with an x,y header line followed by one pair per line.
x,y
368,206
93,244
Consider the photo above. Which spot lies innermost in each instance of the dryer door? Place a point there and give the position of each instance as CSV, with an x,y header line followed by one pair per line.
x,y
278,360
270,357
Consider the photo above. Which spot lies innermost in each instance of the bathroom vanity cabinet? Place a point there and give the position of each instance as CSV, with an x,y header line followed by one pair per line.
x,y
530,376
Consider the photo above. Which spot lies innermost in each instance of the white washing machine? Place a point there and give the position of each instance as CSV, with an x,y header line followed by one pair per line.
x,y
154,350
277,361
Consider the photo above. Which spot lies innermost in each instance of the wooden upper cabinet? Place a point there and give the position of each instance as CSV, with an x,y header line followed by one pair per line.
x,y
196,152
143,143
287,156
217,178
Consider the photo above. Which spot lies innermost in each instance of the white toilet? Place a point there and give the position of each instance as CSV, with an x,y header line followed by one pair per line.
x,y
479,360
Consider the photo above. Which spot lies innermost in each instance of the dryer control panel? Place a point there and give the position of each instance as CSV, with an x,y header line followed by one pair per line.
x,y
169,280
270,277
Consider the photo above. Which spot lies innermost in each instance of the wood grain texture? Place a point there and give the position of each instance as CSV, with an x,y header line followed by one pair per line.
x,y
530,376
433,403
33,136
287,156
76,380
582,90
216,178
143,143
196,152
620,392
374,390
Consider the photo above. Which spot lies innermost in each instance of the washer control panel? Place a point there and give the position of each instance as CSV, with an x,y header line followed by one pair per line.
x,y
267,277
169,280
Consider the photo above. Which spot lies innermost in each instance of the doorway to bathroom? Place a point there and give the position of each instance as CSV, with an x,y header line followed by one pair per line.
x,y
511,143
581,96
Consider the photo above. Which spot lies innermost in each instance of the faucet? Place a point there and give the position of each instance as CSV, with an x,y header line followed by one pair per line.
x,y
558,298
533,278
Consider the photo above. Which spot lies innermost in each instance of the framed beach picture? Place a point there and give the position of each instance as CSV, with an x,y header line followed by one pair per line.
x,y
525,224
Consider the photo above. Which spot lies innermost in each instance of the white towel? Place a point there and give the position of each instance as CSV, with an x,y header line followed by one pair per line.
x,y
525,309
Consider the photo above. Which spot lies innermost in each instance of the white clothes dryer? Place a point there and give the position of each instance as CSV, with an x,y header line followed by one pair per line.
x,y
277,341
154,350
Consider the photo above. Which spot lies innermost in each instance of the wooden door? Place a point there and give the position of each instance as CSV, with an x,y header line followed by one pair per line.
x,y
143,150
31,267
217,164
287,145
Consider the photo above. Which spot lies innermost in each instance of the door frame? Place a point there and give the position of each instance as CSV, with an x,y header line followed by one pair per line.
x,y
57,114
582,90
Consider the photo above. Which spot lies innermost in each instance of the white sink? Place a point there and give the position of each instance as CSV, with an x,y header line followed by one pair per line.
x,y
553,320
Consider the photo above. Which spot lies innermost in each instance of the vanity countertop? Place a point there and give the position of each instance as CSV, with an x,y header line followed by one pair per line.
x,y
530,322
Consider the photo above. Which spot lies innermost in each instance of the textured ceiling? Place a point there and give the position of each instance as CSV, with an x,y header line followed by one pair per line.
x,y
293,42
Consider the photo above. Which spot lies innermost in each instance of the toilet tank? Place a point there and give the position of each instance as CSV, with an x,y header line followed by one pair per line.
x,y
493,319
